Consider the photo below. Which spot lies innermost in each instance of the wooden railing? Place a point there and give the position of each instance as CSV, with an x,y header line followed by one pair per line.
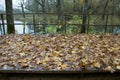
x,y
65,21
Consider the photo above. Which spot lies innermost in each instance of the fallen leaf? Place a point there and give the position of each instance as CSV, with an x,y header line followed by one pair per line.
x,y
118,67
96,64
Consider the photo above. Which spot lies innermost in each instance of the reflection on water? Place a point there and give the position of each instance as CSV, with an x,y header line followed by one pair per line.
x,y
19,27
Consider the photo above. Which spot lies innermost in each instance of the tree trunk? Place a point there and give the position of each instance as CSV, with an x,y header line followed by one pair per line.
x,y
59,12
9,16
44,16
85,7
59,9
23,12
104,10
36,6
42,4
74,5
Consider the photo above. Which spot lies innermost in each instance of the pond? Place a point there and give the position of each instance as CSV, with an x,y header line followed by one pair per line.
x,y
117,30
19,27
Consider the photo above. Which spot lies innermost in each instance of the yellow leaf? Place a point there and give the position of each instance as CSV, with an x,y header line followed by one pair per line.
x,y
22,54
38,43
59,63
46,59
118,67
43,62
64,65
38,61
109,68
22,60
83,47
116,50
24,65
84,60
96,64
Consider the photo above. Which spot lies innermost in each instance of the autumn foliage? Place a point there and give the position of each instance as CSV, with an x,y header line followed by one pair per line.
x,y
60,52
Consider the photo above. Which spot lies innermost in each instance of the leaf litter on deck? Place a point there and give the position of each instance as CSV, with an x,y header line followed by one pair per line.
x,y
60,52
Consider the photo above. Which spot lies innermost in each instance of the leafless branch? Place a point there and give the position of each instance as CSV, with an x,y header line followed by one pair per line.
x,y
40,3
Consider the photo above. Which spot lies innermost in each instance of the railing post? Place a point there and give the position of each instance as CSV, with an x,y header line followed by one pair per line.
x,y
65,24
2,18
106,23
34,23
88,25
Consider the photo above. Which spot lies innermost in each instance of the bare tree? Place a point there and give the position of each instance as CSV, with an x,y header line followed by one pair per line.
x,y
42,4
104,9
23,12
85,7
9,15
59,13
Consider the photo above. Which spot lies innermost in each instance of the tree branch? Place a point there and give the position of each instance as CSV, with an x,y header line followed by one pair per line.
x,y
41,4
